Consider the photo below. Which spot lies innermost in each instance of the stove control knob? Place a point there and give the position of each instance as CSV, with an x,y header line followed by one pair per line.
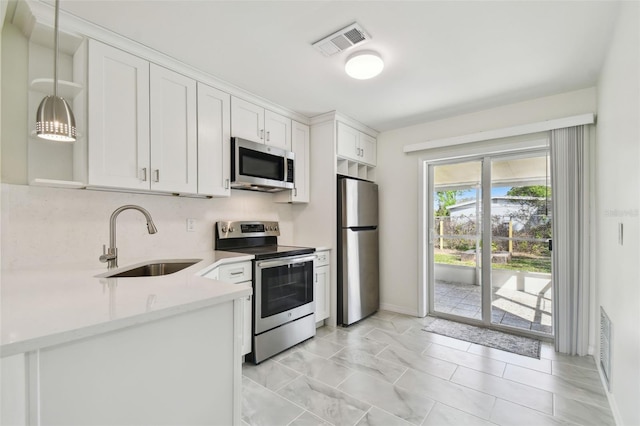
x,y
224,229
275,228
232,229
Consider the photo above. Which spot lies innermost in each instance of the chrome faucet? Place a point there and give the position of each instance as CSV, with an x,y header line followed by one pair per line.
x,y
111,255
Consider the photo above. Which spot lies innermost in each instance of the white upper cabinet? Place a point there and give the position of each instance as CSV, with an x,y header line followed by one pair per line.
x,y
254,123
368,146
142,125
174,144
118,102
247,120
277,130
214,140
300,147
354,145
348,142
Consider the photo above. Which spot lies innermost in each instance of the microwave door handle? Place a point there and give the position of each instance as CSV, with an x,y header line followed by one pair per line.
x,y
275,263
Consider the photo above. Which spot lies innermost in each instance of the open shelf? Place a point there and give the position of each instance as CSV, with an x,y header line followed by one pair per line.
x,y
66,89
352,168
57,183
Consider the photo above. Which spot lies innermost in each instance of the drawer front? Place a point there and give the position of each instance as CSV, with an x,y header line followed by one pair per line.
x,y
235,272
322,258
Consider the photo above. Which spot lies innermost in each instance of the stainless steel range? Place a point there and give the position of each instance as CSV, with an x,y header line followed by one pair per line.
x,y
283,304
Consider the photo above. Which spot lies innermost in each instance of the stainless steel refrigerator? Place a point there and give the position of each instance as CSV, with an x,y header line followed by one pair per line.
x,y
358,271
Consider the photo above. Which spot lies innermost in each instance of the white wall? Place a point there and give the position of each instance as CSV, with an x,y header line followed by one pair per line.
x,y
618,201
398,180
50,226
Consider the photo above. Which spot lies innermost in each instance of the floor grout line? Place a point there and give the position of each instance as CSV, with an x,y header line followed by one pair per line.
x,y
392,329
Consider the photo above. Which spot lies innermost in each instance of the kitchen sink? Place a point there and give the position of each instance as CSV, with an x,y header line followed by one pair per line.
x,y
152,268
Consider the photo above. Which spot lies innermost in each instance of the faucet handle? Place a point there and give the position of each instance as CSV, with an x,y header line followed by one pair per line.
x,y
107,256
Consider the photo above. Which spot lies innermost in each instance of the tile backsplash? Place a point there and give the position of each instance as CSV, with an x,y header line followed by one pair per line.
x,y
44,227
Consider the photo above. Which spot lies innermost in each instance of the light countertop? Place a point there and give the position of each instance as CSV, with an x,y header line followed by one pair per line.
x,y
49,306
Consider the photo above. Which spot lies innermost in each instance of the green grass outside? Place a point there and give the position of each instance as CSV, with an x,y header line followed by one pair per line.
x,y
517,263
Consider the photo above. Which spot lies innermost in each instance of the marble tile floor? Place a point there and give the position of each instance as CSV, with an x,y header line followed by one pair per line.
x,y
386,371
510,307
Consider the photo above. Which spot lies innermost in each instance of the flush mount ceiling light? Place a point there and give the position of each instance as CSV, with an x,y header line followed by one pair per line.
x,y
364,65
54,119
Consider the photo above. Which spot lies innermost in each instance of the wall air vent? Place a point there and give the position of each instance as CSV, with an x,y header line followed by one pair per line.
x,y
605,346
342,40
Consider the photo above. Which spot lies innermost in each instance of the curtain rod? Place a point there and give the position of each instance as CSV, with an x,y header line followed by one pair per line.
x,y
524,129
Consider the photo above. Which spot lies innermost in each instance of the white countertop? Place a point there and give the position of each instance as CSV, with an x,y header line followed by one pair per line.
x,y
44,307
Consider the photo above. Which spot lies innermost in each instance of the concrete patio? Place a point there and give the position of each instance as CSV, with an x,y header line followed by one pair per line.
x,y
526,307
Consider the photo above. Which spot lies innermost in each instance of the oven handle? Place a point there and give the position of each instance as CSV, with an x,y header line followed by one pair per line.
x,y
276,263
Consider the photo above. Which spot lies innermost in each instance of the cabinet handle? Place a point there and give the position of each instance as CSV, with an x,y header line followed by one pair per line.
x,y
316,277
157,173
261,133
233,274
144,174
268,136
226,184
295,192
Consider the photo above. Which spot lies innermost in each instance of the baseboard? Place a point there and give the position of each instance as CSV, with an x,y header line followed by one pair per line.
x,y
398,309
610,397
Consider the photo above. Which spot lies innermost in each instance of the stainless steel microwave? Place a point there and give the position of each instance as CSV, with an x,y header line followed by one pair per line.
x,y
260,167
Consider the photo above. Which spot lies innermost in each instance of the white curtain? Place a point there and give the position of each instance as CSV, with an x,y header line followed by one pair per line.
x,y
570,189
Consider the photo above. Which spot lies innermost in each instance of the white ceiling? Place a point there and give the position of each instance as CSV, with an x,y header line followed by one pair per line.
x,y
442,58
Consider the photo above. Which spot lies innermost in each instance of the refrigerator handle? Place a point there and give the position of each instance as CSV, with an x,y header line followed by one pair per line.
x,y
362,228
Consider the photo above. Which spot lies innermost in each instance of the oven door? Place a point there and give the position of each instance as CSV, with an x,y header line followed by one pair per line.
x,y
283,291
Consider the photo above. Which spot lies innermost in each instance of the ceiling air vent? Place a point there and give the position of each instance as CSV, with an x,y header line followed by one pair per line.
x,y
342,40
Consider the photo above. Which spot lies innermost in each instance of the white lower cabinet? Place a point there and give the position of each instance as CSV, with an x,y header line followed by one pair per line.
x,y
169,371
238,273
322,284
13,373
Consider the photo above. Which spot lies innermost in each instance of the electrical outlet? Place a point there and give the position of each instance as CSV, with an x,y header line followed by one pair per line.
x,y
620,233
191,225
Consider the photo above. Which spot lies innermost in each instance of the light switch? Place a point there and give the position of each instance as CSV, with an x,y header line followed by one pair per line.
x,y
191,225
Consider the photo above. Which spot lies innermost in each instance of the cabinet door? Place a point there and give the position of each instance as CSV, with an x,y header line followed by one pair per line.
x,y
174,145
247,317
348,140
14,384
118,118
368,146
322,292
300,147
277,130
247,120
214,133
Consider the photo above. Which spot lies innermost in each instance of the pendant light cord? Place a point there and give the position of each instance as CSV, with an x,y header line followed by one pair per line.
x,y
55,58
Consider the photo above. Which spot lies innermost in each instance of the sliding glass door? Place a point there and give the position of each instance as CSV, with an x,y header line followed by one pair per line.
x,y
520,235
456,235
488,255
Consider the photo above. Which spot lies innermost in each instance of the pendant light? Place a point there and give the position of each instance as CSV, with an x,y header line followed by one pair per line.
x,y
54,119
